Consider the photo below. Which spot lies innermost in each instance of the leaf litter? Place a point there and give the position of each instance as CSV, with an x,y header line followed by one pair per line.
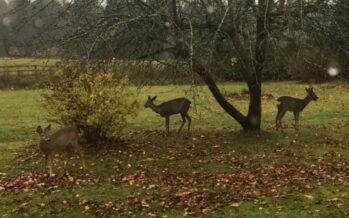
x,y
183,183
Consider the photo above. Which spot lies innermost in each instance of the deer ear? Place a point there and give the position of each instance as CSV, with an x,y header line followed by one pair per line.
x,y
306,89
48,127
39,129
153,99
149,97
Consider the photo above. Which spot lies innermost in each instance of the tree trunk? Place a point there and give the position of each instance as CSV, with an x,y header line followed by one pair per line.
x,y
255,83
252,72
254,115
211,84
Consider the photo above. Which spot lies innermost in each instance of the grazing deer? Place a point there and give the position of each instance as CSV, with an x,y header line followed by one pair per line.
x,y
166,109
295,105
64,140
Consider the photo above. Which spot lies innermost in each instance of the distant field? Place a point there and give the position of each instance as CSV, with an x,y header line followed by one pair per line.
x,y
216,171
35,73
25,72
26,61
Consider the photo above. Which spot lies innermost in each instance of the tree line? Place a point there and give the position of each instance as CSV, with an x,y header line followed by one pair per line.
x,y
301,35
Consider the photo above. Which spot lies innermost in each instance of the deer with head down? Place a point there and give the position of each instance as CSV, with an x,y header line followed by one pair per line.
x,y
166,109
65,140
294,105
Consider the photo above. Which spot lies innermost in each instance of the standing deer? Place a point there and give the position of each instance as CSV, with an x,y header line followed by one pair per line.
x,y
295,105
64,140
166,109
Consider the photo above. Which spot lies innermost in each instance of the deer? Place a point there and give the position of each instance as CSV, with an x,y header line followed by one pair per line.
x,y
294,105
65,140
176,106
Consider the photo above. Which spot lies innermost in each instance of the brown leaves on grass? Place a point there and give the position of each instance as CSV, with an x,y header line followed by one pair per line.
x,y
25,182
200,193
184,177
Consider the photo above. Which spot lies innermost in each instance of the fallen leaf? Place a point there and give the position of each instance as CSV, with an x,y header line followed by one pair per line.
x,y
309,197
235,205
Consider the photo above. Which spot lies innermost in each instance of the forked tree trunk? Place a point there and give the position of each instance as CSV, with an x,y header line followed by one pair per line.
x,y
253,119
254,115
252,72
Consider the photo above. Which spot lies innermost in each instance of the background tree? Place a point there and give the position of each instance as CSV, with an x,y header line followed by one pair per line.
x,y
4,23
21,29
340,34
47,22
81,21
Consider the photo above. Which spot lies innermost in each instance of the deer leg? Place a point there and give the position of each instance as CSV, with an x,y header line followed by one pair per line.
x,y
277,119
45,163
183,122
81,155
66,163
70,151
297,118
189,121
168,125
299,125
282,114
65,166
50,166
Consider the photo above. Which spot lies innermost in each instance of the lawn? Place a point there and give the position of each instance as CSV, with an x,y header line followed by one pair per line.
x,y
215,171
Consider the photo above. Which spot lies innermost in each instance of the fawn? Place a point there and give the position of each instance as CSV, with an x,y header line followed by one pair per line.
x,y
166,109
294,105
64,140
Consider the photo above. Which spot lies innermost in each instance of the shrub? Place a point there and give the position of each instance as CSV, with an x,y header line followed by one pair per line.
x,y
97,103
310,66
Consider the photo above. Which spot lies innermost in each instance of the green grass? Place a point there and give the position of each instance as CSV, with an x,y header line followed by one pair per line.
x,y
217,170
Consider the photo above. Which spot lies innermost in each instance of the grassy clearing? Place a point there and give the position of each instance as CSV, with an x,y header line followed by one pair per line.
x,y
25,72
214,171
26,61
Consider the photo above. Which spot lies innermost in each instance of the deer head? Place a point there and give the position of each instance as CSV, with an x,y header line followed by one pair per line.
x,y
311,93
44,133
150,101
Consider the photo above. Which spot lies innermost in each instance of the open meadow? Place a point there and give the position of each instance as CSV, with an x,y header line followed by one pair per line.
x,y
215,171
